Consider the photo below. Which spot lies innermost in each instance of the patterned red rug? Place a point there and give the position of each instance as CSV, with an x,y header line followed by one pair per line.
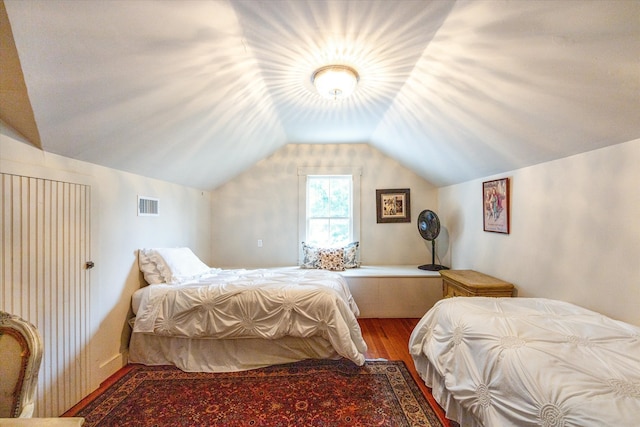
x,y
311,393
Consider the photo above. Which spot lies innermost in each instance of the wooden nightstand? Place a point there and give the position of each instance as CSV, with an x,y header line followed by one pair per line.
x,y
469,283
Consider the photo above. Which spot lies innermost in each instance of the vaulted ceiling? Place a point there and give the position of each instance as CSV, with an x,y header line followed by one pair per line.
x,y
195,92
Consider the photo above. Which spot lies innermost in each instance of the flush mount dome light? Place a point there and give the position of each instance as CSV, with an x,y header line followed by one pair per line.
x,y
335,81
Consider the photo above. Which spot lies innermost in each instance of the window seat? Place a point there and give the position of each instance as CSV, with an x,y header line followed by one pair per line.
x,y
398,291
388,271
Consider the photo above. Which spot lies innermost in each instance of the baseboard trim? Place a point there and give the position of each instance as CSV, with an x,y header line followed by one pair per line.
x,y
112,365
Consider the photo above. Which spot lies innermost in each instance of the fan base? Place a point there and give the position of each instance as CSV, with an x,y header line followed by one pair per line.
x,y
433,267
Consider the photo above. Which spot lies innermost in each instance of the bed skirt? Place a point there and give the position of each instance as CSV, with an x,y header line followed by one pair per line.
x,y
453,410
227,355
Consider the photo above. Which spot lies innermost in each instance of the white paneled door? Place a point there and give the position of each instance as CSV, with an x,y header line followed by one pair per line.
x,y
45,246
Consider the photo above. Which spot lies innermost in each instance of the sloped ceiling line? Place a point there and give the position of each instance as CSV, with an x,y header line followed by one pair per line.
x,y
195,92
15,107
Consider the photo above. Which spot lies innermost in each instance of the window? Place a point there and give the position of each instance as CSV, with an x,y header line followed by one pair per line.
x,y
329,205
329,210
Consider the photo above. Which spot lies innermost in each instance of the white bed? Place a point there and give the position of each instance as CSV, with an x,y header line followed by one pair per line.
x,y
228,320
528,362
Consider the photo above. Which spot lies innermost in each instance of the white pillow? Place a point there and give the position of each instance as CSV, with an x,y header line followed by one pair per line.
x,y
172,265
148,267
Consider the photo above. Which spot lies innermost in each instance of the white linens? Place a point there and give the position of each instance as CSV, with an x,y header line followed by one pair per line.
x,y
528,362
267,303
205,355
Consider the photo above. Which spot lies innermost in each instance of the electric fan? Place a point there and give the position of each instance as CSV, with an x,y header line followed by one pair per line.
x,y
429,228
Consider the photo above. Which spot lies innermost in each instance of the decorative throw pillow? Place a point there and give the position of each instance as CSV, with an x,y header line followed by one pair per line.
x,y
149,269
351,255
309,256
331,259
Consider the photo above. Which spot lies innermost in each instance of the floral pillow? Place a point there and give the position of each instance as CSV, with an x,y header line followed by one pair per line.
x,y
351,255
331,259
311,256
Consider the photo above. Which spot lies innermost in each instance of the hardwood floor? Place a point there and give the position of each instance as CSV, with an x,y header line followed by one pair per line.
x,y
385,338
389,339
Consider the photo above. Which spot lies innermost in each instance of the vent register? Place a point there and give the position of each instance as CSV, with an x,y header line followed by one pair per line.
x,y
148,206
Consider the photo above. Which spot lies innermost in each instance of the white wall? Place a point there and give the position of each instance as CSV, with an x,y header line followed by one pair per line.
x,y
262,203
575,230
185,216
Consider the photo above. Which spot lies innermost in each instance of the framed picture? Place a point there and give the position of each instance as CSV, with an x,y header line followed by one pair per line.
x,y
495,205
393,205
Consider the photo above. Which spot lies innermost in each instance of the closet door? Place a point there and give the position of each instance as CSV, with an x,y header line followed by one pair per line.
x,y
45,248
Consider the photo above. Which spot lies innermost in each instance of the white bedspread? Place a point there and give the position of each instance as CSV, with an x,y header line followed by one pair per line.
x,y
529,362
269,304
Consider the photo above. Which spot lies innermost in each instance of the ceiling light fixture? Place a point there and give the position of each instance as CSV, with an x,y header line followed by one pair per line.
x,y
335,81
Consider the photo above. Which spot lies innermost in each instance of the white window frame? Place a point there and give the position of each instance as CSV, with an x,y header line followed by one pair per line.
x,y
303,172
349,214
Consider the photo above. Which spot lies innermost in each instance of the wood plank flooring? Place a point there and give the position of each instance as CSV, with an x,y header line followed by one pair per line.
x,y
389,339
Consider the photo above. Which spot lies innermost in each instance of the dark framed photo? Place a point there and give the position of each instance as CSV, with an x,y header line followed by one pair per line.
x,y
393,205
495,201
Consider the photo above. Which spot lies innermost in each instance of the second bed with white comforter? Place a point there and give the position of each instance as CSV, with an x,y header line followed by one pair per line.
x,y
529,362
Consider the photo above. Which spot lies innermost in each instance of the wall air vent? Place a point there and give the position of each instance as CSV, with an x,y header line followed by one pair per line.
x,y
148,206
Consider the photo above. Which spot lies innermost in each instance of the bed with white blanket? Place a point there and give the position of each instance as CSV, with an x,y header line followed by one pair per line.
x,y
528,362
227,320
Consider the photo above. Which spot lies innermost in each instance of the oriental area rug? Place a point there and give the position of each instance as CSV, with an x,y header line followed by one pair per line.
x,y
310,393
